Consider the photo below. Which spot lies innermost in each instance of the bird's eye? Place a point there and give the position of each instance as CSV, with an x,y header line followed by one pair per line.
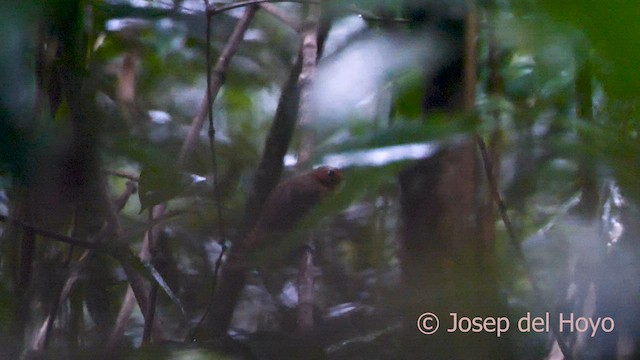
x,y
331,173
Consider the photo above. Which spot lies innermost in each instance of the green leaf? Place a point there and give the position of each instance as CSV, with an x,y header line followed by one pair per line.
x,y
411,92
608,26
127,258
438,127
159,185
163,284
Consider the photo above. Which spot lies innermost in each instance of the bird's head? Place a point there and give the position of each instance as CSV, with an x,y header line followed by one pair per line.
x,y
329,177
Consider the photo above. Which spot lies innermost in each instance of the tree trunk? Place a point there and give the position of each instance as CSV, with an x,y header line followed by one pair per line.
x,y
446,269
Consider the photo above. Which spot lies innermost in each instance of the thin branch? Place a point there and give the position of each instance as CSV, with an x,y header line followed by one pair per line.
x,y
307,75
281,15
240,28
306,117
51,234
470,58
469,103
248,14
586,172
497,198
151,238
150,314
487,217
43,336
305,293
214,9
126,309
122,174
217,9
495,83
309,54
219,71
502,208
98,246
120,202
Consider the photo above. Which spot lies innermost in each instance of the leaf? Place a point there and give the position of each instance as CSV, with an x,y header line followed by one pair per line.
x,y
439,127
163,284
410,97
611,38
127,258
158,185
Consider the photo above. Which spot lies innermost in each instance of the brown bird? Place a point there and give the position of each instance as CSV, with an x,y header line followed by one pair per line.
x,y
285,206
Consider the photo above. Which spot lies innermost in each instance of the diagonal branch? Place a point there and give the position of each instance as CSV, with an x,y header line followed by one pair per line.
x,y
151,239
212,90
42,338
219,72
502,208
51,234
98,246
469,103
279,138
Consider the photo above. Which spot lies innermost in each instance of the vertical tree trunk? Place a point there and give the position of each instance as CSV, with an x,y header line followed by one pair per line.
x,y
444,267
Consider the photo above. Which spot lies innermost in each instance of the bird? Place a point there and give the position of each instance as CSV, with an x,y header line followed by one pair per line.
x,y
285,206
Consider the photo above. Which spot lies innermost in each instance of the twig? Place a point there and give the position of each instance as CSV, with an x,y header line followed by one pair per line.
x,y
27,251
495,83
282,16
98,246
44,334
122,174
51,234
235,38
502,208
150,314
470,57
150,311
213,9
586,172
487,218
249,13
306,117
215,85
136,289
305,293
469,103
126,309
122,200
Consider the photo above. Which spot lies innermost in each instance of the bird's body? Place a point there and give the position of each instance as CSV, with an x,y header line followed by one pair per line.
x,y
290,201
286,205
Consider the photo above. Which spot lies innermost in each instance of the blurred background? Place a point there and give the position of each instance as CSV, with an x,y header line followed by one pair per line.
x,y
118,192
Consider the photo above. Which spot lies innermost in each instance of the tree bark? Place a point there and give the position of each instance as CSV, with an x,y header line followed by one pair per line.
x,y
444,268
